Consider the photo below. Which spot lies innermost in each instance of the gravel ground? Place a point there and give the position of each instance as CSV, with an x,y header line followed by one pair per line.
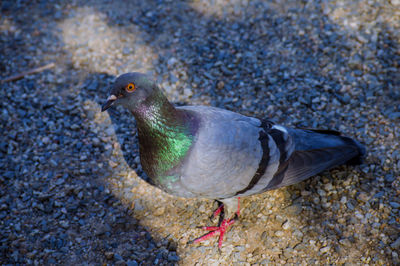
x,y
71,186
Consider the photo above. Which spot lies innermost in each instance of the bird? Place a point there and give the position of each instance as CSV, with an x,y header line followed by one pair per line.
x,y
213,153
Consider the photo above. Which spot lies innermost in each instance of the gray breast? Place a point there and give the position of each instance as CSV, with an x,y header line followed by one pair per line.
x,y
225,155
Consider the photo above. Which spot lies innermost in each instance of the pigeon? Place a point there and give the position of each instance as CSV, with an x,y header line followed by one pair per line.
x,y
212,153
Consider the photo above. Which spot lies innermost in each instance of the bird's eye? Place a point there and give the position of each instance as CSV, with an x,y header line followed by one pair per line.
x,y
130,87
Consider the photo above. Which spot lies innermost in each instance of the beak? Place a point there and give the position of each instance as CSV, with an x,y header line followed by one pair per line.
x,y
110,101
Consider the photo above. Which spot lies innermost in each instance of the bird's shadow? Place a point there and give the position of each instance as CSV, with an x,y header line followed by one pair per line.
x,y
192,48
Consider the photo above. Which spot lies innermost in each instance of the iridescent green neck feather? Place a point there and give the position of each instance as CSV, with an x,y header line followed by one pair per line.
x,y
165,135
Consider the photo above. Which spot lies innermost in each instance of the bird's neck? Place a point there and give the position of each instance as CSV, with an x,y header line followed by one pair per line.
x,y
165,134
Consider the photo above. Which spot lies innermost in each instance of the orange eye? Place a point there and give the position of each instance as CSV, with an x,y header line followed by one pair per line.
x,y
130,87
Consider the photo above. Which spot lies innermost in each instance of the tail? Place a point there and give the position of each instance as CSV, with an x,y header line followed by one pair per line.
x,y
316,151
333,138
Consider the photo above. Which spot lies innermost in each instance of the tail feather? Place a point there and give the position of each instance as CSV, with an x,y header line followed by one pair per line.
x,y
316,151
358,159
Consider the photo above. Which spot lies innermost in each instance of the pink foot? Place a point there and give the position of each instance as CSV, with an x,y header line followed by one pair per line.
x,y
221,229
215,230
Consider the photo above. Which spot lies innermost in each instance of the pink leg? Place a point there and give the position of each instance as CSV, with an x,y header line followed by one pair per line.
x,y
218,211
238,210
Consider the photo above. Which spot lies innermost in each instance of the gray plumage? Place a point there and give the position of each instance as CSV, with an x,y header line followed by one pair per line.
x,y
227,152
230,155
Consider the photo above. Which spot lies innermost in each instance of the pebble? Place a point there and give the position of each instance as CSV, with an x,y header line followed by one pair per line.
x,y
325,249
359,215
286,225
118,257
350,206
321,192
298,234
294,209
314,65
109,131
173,257
363,197
132,263
64,224
394,204
109,255
345,242
396,244
343,200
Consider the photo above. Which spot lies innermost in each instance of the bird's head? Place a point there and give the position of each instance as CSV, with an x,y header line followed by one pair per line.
x,y
130,90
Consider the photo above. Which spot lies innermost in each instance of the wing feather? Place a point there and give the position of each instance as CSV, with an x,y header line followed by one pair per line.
x,y
304,164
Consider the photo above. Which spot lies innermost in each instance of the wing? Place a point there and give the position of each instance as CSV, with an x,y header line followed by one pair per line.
x,y
304,164
280,148
300,154
225,155
234,155
316,151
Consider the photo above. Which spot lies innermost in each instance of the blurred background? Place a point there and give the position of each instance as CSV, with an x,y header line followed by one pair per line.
x,y
71,186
